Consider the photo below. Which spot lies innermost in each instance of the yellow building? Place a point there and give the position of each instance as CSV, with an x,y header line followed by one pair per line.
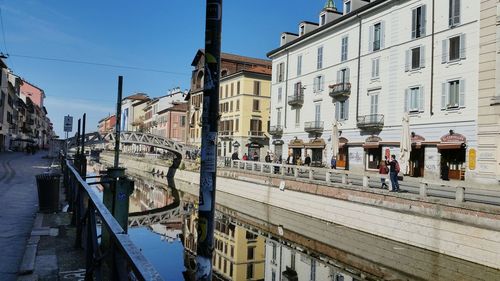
x,y
239,254
244,105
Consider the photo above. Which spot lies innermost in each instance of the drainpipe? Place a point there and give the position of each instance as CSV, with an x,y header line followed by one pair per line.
x,y
432,61
359,68
286,86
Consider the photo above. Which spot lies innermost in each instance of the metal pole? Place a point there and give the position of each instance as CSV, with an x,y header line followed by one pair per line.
x,y
83,159
210,118
83,132
78,138
118,119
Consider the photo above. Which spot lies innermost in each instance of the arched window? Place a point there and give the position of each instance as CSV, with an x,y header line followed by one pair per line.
x,y
199,79
223,73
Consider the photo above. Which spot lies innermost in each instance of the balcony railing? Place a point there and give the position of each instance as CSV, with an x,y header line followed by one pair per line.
x,y
296,100
255,133
276,130
314,126
225,133
372,121
340,91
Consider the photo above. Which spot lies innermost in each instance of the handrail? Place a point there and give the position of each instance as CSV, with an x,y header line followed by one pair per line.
x,y
134,258
458,190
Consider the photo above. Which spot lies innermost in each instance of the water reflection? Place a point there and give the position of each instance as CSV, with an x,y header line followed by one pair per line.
x,y
259,242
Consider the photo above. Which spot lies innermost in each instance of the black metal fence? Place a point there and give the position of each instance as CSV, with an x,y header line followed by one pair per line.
x,y
110,255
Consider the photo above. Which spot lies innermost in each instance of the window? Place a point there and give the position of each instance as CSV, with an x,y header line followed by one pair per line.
x,y
297,89
339,277
375,68
347,7
250,253
232,89
301,30
343,76
280,94
342,110
278,117
256,88
237,105
453,94
297,117
312,275
281,72
256,105
255,126
231,106
238,88
454,48
319,62
414,100
273,275
376,40
319,82
322,19
249,271
227,91
225,266
418,22
236,129
415,58
232,251
231,269
299,65
374,105
454,13
274,251
345,46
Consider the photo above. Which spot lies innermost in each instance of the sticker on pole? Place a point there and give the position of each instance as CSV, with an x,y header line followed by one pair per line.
x,y
208,155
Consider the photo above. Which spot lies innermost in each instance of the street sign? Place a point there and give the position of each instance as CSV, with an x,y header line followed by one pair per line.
x,y
68,123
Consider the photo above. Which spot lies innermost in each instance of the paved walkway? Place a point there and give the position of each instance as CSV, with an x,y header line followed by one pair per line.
x,y
18,205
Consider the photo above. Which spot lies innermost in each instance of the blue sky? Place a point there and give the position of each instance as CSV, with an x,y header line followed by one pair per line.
x,y
155,35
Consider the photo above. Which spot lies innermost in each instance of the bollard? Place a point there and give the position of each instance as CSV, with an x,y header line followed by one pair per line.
x,y
365,181
328,177
296,172
423,189
460,194
282,169
344,178
254,166
311,174
262,168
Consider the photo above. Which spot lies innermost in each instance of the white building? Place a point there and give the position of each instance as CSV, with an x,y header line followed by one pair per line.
x,y
368,67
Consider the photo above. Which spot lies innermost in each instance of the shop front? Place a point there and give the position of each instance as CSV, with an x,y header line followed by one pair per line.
x,y
342,154
373,152
453,151
316,147
295,147
278,148
254,151
417,156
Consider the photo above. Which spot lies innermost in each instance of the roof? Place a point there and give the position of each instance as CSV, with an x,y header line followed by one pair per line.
x,y
231,57
326,26
139,102
254,70
181,107
137,96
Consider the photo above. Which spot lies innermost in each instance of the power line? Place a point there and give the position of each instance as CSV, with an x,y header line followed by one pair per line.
x,y
100,64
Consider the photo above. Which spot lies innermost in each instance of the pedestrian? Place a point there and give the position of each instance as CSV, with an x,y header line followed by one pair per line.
x,y
268,158
290,160
298,162
383,171
235,156
393,173
245,157
307,160
255,156
333,162
445,171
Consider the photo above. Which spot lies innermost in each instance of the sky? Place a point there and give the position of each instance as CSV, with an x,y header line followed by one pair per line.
x,y
151,44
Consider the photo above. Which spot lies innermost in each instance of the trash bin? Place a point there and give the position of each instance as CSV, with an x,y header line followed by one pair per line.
x,y
48,192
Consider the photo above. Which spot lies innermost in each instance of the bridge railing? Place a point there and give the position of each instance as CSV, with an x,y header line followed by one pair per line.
x,y
458,190
128,263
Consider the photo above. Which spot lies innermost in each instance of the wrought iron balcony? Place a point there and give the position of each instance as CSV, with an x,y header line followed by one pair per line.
x,y
196,106
340,91
276,130
296,100
370,122
256,134
314,126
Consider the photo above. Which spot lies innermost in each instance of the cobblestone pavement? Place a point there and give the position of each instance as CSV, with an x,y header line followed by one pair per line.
x,y
18,205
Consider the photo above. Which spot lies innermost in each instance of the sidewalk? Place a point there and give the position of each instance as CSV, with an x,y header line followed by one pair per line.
x,y
34,246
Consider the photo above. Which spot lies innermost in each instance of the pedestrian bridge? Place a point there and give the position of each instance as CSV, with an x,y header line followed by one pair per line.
x,y
129,137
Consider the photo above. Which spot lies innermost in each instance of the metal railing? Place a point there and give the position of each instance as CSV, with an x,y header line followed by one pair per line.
x,y
276,130
371,121
127,260
459,191
256,133
340,91
314,126
295,100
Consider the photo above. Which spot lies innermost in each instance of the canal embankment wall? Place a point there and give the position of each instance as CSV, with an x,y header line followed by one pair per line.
x,y
467,231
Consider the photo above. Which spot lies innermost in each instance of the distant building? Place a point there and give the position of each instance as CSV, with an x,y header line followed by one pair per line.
x,y
107,124
230,64
172,121
244,105
129,114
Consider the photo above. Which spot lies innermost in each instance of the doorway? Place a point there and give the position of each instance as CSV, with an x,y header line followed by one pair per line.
x,y
417,157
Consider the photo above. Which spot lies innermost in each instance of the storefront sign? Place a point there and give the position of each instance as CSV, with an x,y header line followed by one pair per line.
x,y
373,139
453,138
472,159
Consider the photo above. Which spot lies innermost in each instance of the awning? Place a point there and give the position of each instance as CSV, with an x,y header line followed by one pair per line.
x,y
368,145
315,143
453,145
278,142
296,143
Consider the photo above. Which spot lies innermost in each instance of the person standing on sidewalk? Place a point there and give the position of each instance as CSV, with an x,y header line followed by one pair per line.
x,y
383,171
393,173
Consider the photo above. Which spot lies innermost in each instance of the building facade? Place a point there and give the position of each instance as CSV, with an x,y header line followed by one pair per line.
x,y
172,121
230,64
131,113
244,106
368,67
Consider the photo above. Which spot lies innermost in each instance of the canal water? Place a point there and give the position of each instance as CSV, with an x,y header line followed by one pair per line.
x,y
255,241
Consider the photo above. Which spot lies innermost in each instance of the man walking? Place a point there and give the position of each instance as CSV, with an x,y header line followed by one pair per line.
x,y
393,173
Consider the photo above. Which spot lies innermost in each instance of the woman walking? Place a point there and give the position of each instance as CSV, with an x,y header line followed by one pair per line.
x,y
383,171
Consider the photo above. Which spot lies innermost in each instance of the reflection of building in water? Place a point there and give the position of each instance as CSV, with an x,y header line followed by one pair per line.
x,y
149,195
169,232
293,265
239,254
